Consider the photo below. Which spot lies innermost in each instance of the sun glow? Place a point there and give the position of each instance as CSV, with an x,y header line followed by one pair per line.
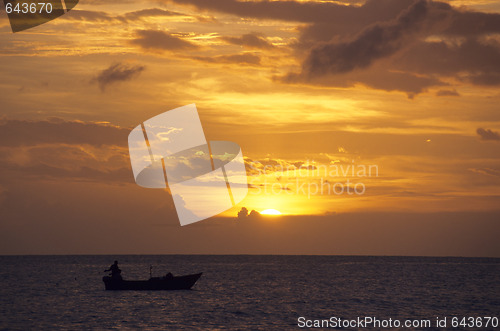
x,y
270,212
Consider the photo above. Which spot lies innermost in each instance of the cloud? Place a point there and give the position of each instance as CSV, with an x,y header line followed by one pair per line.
x,y
63,149
324,20
476,61
250,40
447,93
38,170
364,58
107,2
376,77
243,59
160,41
347,24
279,10
381,43
486,172
57,131
402,47
118,72
487,134
329,19
377,41
88,15
100,16
150,12
276,166
471,23
486,78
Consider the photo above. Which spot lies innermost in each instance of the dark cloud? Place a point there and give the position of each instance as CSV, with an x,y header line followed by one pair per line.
x,y
108,2
487,134
401,48
486,172
486,78
377,41
63,149
477,60
151,12
324,20
349,24
250,40
344,45
470,23
409,83
366,58
88,15
100,16
244,59
118,72
78,172
56,131
160,41
447,93
328,19
279,10
377,78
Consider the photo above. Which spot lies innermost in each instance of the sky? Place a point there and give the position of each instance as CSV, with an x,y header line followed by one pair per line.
x,y
373,126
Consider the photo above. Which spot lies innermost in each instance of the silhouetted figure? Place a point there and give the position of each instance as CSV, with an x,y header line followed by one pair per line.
x,y
115,271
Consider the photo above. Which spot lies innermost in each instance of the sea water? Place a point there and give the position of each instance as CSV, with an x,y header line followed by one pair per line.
x,y
244,292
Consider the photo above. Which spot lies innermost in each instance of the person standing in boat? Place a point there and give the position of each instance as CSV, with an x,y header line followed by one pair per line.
x,y
115,271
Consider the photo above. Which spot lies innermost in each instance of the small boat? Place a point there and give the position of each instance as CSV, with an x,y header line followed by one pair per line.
x,y
168,282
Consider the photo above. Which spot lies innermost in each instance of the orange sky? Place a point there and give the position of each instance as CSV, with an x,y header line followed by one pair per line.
x,y
409,87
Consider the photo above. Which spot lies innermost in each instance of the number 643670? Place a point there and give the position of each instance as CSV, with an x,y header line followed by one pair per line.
x,y
27,7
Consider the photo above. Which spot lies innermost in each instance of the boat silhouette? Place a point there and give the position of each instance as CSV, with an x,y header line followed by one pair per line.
x,y
168,282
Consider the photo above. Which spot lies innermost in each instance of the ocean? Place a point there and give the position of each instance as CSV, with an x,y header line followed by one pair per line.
x,y
248,292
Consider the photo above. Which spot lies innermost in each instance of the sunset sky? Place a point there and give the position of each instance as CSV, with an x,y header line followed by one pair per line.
x,y
411,88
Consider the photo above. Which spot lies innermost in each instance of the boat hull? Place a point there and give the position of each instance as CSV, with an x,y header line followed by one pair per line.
x,y
153,284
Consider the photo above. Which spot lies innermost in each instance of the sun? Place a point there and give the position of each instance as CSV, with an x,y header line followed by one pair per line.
x,y
270,212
